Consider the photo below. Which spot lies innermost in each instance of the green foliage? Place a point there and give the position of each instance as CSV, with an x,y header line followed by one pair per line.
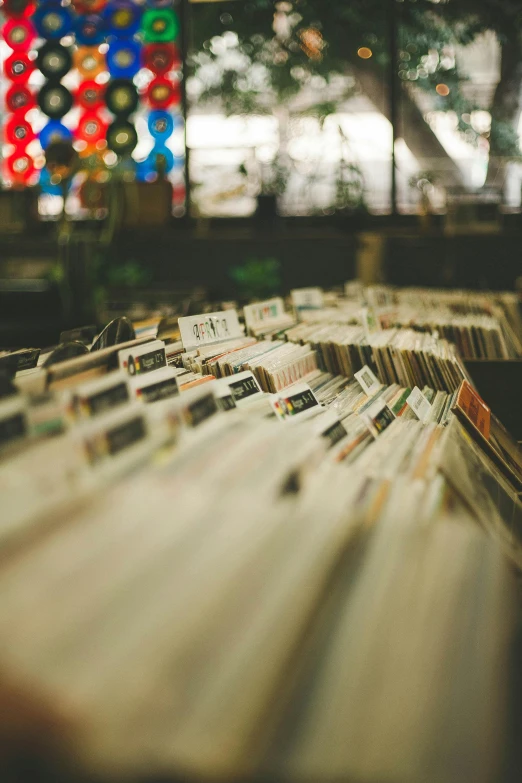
x,y
257,278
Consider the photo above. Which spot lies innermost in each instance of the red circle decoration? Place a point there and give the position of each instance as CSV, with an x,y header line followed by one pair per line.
x,y
89,95
161,57
21,167
178,194
18,132
161,93
19,99
91,128
89,6
18,33
18,67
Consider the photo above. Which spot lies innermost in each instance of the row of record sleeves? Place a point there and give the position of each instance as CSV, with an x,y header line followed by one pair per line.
x,y
224,558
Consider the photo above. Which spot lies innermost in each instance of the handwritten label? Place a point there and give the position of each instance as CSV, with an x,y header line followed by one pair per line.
x,y
297,400
143,358
419,404
198,330
263,312
368,381
475,408
307,298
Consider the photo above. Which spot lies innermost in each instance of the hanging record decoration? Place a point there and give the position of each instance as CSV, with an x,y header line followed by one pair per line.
x,y
101,75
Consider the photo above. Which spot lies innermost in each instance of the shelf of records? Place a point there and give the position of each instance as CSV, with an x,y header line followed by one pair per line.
x,y
283,542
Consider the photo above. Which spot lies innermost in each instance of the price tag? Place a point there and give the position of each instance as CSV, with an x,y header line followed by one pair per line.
x,y
307,298
378,417
142,359
160,385
419,404
242,387
209,328
263,313
295,402
100,396
368,381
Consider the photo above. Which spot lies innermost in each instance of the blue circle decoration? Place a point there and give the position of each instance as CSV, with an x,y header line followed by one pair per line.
x,y
167,154
90,30
123,58
122,18
53,21
54,131
161,124
46,185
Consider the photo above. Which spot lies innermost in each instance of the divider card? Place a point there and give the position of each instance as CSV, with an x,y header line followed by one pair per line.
x,y
156,386
419,404
331,429
142,359
209,328
297,401
368,380
13,419
378,417
243,387
263,313
99,396
307,298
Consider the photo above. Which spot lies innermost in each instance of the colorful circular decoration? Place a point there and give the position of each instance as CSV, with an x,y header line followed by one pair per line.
x,y
89,95
161,124
46,186
162,93
91,128
18,67
19,99
54,60
123,58
89,62
19,8
18,33
121,97
20,167
122,19
53,21
160,25
161,57
90,30
18,131
54,131
122,137
161,159
55,100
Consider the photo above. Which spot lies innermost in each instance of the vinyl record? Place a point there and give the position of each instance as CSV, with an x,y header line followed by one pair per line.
x,y
161,124
55,100
19,99
91,128
18,131
18,67
54,60
89,62
90,95
19,8
121,97
122,18
123,58
122,137
20,166
54,131
53,21
90,30
161,93
160,25
161,57
18,33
